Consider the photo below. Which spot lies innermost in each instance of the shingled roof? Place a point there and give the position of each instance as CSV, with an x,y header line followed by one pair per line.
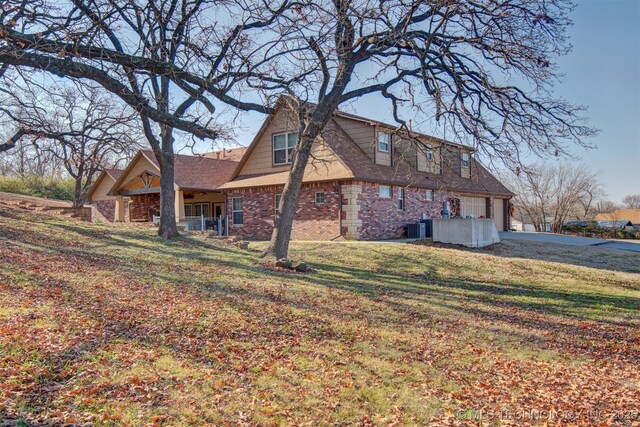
x,y
361,167
198,172
114,173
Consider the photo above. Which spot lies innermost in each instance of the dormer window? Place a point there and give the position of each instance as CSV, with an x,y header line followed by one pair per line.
x,y
384,140
283,145
465,160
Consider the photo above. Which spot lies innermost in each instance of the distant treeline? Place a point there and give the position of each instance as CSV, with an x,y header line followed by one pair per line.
x,y
33,185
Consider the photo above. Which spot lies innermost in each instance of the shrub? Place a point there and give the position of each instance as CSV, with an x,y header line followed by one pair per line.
x,y
61,189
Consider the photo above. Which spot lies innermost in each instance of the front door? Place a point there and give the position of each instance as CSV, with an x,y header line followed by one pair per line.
x,y
218,210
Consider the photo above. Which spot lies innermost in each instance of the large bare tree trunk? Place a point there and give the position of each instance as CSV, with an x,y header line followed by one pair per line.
x,y
78,193
279,244
168,228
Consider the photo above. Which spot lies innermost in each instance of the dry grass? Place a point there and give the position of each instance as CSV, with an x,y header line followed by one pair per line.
x,y
113,326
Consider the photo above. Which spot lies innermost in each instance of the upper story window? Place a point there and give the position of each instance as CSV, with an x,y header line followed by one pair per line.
x,y
429,152
465,160
430,195
384,141
319,198
283,145
385,191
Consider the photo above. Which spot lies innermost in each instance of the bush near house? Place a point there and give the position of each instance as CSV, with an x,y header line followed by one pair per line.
x,y
59,189
600,232
114,326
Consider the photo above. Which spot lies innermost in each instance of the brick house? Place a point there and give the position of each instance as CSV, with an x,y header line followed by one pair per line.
x,y
103,204
365,181
133,194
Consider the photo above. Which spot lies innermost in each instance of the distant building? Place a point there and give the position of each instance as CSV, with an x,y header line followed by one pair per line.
x,y
632,215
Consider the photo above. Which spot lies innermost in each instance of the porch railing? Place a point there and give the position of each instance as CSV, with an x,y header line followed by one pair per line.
x,y
203,223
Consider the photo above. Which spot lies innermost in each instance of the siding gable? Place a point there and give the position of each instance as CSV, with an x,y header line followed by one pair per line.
x,y
323,163
363,134
100,192
134,170
261,156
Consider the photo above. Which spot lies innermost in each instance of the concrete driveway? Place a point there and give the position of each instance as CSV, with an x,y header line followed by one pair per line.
x,y
561,239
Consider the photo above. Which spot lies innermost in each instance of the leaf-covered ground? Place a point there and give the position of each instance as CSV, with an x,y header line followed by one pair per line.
x,y
109,325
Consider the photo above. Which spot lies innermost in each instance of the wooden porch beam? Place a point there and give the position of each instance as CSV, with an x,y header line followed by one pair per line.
x,y
139,191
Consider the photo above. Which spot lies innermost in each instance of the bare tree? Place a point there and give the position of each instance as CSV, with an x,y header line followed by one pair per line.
x,y
631,201
159,57
552,194
452,61
604,206
77,125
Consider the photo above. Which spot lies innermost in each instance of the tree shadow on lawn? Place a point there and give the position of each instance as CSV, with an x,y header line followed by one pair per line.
x,y
433,288
583,256
147,329
405,296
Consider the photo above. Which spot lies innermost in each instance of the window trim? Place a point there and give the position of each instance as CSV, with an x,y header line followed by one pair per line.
x,y
388,134
234,210
401,198
324,200
467,161
380,192
286,149
429,153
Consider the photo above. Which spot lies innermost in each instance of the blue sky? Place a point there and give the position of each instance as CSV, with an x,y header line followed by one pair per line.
x,y
602,73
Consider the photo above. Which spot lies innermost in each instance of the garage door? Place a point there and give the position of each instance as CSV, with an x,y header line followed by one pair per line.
x,y
473,206
498,213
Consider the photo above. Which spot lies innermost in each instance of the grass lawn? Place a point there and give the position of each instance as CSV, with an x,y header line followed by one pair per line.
x,y
107,324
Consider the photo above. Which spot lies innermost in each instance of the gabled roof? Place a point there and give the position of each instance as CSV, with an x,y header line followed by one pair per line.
x,y
235,154
114,174
418,135
196,173
361,167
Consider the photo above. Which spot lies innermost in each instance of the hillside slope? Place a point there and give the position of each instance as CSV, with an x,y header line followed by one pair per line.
x,y
111,325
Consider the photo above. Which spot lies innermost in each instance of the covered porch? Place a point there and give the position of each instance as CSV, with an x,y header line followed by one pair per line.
x,y
195,209
199,204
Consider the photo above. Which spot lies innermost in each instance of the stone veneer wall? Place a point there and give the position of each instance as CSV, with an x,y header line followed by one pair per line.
x,y
311,222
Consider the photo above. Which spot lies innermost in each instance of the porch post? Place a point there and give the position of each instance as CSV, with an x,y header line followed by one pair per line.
x,y
119,210
179,204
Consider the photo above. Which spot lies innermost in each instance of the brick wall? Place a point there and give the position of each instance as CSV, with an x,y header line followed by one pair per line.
x,y
142,208
381,217
105,209
311,222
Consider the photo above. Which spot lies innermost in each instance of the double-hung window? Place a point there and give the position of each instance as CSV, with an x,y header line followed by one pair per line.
x,y
465,160
401,199
384,140
319,198
236,211
429,152
430,195
283,145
